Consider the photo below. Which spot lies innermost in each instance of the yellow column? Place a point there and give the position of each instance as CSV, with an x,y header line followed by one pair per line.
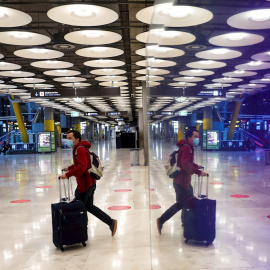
x,y
77,125
48,125
235,114
181,135
207,118
198,127
19,118
48,119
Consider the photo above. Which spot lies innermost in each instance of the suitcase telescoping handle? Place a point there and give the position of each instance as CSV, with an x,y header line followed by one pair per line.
x,y
200,183
69,183
67,196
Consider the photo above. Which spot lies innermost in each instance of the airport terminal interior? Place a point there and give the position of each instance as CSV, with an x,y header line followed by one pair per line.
x,y
132,77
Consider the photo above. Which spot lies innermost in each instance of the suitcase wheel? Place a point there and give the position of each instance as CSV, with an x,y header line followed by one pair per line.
x,y
84,244
186,241
61,248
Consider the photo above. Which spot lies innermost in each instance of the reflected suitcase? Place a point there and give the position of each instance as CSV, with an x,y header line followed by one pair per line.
x,y
199,217
69,221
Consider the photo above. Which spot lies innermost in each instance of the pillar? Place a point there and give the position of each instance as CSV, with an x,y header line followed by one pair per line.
x,y
77,125
92,131
207,118
193,119
181,127
48,119
140,124
20,121
145,91
59,131
236,110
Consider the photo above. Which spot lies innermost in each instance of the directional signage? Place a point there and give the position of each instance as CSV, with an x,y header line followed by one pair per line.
x,y
80,92
117,113
166,91
75,114
166,113
94,113
183,113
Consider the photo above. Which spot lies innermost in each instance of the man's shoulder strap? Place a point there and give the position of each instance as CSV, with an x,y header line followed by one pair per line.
x,y
78,147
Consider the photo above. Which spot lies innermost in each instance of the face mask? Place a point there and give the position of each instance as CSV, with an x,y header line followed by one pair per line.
x,y
70,143
196,142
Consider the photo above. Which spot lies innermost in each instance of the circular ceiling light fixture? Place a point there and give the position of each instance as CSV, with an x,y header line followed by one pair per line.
x,y
10,17
82,15
174,15
253,19
38,53
61,72
97,52
23,38
255,63
180,99
79,100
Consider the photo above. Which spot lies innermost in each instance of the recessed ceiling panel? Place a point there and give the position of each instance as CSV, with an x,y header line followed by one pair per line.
x,y
110,78
99,52
196,72
206,64
163,37
227,80
13,18
219,54
62,72
8,66
188,79
173,15
152,62
23,38
76,84
107,71
69,79
38,53
17,73
28,80
153,71
113,84
151,78
82,15
160,52
239,73
50,64
182,84
92,37
252,19
253,65
236,39
104,63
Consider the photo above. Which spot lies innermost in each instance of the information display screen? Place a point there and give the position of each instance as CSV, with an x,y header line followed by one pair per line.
x,y
44,142
213,140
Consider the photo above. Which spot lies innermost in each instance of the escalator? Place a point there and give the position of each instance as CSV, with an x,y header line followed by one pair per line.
x,y
258,141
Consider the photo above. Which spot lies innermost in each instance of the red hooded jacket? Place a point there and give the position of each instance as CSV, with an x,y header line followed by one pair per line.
x,y
81,164
185,162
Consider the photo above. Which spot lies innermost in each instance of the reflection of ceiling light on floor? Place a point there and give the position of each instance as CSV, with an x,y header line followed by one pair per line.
x,y
78,100
255,64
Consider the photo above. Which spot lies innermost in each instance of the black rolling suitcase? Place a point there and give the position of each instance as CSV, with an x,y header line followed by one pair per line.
x,y
69,220
199,217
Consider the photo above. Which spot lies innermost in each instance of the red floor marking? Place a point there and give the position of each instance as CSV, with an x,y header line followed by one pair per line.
x,y
119,207
20,201
154,206
44,187
216,183
124,179
4,175
151,189
122,190
239,196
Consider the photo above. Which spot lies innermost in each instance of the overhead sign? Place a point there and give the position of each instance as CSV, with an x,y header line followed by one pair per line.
x,y
80,92
75,114
117,113
166,91
166,113
183,113
94,113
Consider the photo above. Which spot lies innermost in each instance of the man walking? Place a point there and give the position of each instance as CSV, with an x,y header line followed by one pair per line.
x,y
86,185
182,182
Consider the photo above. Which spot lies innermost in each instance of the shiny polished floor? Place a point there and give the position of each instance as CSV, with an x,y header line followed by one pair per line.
x,y
243,229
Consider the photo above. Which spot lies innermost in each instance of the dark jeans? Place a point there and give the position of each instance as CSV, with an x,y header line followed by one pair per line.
x,y
181,197
87,198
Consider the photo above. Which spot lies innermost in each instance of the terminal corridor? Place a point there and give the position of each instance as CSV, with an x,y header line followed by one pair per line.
x,y
139,197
